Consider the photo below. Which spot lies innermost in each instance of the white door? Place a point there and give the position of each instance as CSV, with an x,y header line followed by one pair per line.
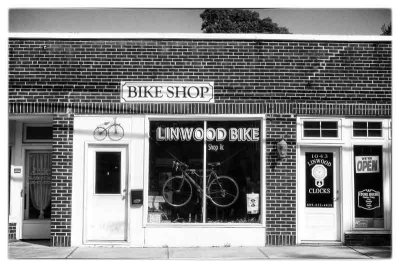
x,y
319,195
106,195
37,195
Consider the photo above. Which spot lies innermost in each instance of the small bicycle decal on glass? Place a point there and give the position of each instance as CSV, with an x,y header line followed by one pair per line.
x,y
112,129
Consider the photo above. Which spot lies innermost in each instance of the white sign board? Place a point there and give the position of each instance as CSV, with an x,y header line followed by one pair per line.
x,y
202,92
253,203
367,164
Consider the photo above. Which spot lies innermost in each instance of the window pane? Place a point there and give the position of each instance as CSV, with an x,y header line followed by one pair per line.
x,y
234,193
311,125
368,186
329,133
39,132
374,125
359,125
108,173
374,133
311,133
173,199
359,132
329,124
38,186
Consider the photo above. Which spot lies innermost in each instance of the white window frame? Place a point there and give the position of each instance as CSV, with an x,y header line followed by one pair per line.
x,y
225,117
321,119
382,137
26,140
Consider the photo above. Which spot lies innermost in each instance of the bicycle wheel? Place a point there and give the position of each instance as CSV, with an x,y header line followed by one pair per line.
x,y
100,133
116,132
177,191
223,191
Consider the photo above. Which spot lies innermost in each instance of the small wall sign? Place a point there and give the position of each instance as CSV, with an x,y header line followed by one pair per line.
x,y
253,200
17,171
167,92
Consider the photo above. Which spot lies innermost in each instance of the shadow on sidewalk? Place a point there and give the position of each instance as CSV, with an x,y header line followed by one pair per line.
x,y
31,242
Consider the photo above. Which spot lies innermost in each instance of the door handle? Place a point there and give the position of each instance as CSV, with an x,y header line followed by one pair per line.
x,y
124,194
336,196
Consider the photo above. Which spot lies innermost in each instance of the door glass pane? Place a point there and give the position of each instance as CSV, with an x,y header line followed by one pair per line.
x,y
38,186
319,179
233,169
108,173
368,186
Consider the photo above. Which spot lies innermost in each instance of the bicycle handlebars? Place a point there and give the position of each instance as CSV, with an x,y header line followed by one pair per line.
x,y
178,165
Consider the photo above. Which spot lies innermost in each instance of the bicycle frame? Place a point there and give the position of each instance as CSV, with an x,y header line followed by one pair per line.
x,y
193,182
107,125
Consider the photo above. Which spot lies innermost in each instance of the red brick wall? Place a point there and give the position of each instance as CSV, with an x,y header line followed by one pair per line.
x,y
281,181
243,71
61,183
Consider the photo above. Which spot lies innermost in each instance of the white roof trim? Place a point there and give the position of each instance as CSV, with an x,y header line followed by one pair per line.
x,y
199,36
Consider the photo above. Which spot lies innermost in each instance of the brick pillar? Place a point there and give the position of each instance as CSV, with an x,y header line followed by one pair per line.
x,y
61,184
281,181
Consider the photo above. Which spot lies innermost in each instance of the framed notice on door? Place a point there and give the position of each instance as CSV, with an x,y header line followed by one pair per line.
x,y
319,179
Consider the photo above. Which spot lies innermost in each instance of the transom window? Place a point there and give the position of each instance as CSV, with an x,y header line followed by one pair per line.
x,y
38,133
325,129
367,129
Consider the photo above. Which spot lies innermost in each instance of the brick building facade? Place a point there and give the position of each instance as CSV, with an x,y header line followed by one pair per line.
x,y
328,96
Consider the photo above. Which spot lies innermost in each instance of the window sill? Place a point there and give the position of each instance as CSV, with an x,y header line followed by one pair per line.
x,y
37,221
369,231
205,225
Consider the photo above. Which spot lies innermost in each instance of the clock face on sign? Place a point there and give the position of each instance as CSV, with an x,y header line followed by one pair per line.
x,y
319,172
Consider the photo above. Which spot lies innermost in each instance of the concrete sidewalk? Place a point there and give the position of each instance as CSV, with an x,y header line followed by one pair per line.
x,y
41,250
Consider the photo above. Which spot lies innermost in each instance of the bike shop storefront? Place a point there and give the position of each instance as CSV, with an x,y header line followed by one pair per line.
x,y
168,180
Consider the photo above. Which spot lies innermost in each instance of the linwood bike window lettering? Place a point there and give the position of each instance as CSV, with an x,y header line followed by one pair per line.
x,y
179,190
319,180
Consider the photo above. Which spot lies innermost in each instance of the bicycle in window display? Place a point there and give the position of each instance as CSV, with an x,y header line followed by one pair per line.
x,y
221,190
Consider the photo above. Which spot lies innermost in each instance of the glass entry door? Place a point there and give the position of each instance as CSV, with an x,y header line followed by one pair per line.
x,y
37,195
319,195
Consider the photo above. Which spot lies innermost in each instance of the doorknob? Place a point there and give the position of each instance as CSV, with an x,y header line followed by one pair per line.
x,y
336,197
124,193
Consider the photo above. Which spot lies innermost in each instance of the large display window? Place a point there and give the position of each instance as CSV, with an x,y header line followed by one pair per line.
x,y
204,171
